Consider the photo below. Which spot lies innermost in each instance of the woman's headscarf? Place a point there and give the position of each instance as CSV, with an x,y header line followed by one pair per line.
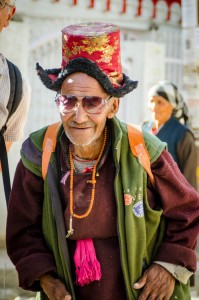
x,y
170,92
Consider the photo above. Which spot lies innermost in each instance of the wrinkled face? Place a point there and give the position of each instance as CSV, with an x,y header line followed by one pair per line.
x,y
6,13
83,128
161,109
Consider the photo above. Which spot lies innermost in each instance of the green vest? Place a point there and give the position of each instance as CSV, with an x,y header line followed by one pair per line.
x,y
140,229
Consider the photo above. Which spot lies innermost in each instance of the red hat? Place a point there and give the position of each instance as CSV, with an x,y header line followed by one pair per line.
x,y
94,49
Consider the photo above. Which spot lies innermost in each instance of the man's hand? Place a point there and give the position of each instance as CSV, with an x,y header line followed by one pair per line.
x,y
157,284
54,288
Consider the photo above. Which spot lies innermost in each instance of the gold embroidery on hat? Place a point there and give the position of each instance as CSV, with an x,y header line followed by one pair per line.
x,y
107,53
91,45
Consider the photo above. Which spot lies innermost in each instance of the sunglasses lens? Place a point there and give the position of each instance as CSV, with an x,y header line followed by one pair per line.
x,y
66,103
93,104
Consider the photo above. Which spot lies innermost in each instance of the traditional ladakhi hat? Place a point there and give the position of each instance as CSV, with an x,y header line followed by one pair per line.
x,y
94,49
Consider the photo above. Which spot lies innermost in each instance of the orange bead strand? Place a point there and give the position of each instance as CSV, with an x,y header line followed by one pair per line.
x,y
92,181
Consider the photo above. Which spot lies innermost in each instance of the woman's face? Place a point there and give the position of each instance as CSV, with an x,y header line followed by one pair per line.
x,y
161,109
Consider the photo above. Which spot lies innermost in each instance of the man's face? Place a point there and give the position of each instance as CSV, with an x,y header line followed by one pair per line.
x,y
6,13
81,127
161,109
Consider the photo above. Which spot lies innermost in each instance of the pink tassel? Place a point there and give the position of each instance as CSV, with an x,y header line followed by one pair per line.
x,y
88,268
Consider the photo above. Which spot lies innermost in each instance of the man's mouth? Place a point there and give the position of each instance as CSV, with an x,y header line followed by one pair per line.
x,y
81,128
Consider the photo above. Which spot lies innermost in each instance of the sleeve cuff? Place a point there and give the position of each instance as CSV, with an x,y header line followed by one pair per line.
x,y
32,267
180,273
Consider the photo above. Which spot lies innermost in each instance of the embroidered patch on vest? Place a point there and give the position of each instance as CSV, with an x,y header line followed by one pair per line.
x,y
138,209
127,199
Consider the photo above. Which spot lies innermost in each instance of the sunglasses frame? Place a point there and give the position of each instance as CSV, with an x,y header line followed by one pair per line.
x,y
103,101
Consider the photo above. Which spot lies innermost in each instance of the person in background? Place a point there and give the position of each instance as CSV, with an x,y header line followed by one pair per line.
x,y
85,221
15,126
12,128
15,94
169,123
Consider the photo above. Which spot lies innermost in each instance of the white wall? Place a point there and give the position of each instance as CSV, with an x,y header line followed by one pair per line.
x,y
14,42
142,61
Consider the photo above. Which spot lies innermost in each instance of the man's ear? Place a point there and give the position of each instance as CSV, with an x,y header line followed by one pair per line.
x,y
11,13
114,106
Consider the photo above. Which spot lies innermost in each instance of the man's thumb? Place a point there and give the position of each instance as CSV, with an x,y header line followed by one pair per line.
x,y
140,283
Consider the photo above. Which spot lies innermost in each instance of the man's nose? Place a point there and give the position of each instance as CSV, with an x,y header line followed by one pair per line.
x,y
80,113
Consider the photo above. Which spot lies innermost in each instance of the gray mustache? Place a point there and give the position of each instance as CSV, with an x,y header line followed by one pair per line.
x,y
82,125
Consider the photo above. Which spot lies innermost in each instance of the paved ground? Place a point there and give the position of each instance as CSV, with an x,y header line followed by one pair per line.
x,y
9,289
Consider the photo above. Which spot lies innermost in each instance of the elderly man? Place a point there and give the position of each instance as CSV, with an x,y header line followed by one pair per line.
x,y
89,222
14,105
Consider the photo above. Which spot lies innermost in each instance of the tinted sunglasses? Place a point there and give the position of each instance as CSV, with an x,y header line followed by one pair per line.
x,y
70,103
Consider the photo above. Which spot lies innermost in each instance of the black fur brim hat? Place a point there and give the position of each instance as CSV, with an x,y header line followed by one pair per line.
x,y
94,49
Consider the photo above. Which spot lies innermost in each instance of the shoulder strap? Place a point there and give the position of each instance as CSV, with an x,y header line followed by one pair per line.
x,y
138,148
15,88
49,145
5,168
13,102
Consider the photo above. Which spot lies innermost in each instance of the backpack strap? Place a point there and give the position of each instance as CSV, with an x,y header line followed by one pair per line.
x,y
15,88
13,102
5,168
138,148
49,145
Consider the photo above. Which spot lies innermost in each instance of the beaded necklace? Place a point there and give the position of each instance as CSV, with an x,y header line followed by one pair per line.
x,y
92,181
